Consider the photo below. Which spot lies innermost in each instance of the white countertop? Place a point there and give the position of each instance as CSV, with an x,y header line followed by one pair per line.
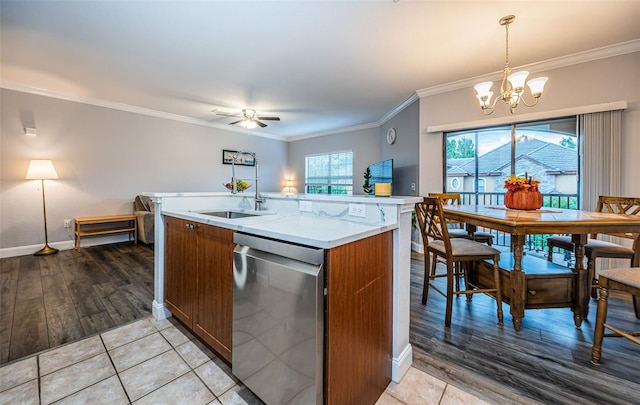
x,y
303,229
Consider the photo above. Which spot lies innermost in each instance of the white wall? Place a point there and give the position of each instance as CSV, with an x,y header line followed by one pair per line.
x,y
605,80
365,145
104,158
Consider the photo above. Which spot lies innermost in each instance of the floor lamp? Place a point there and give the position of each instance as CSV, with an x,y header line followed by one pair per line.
x,y
43,170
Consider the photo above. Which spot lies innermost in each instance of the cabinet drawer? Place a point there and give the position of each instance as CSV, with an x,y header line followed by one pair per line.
x,y
548,285
548,291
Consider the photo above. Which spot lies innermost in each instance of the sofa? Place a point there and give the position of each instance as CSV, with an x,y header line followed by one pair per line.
x,y
144,212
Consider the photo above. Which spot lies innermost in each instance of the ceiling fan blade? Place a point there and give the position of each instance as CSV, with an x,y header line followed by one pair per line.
x,y
228,115
262,124
269,118
235,122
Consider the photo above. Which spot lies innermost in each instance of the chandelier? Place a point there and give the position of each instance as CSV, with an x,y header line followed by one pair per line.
x,y
512,86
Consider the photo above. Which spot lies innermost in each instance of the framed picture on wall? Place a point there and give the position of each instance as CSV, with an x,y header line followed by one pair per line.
x,y
243,160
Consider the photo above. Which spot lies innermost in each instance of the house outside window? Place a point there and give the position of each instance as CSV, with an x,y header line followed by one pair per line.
x,y
330,173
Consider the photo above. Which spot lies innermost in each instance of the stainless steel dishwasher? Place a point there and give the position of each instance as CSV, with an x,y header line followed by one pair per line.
x,y
278,319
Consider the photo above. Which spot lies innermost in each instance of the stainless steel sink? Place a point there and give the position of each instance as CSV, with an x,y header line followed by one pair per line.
x,y
229,214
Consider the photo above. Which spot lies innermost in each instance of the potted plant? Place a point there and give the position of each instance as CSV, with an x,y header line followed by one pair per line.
x,y
366,187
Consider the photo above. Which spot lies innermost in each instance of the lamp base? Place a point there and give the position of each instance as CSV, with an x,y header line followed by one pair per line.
x,y
46,250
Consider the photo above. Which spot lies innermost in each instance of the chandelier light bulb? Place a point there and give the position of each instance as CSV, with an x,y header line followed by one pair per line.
x,y
537,85
517,79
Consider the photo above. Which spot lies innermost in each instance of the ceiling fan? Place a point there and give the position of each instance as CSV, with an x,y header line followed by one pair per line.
x,y
249,119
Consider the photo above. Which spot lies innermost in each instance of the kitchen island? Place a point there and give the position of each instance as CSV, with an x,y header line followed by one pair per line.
x,y
329,222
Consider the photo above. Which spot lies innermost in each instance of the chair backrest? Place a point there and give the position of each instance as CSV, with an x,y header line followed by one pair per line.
x,y
448,198
430,218
619,205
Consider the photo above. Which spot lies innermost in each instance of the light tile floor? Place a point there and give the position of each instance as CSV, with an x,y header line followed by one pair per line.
x,y
160,362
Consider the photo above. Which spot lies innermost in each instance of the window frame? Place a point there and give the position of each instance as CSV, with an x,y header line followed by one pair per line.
x,y
330,187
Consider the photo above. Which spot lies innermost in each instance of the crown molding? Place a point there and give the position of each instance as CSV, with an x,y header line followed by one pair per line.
x,y
334,131
10,85
622,48
392,113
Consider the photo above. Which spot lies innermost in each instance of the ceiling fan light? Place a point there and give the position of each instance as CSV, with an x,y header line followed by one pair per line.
x,y
537,85
248,124
517,79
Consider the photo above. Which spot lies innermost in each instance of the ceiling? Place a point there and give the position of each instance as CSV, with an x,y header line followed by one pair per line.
x,y
321,66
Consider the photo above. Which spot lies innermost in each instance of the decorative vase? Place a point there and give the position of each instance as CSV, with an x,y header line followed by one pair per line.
x,y
523,200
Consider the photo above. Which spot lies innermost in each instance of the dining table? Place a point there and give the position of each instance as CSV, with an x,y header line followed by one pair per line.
x,y
520,223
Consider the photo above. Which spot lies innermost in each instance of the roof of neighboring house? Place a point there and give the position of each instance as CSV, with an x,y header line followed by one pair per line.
x,y
554,158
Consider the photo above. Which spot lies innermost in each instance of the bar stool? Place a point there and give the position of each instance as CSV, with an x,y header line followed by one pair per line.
x,y
627,280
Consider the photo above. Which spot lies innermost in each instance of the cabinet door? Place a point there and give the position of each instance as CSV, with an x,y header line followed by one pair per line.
x,y
359,320
180,263
213,310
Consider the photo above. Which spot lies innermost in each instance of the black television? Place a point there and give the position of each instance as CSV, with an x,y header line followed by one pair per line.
x,y
381,172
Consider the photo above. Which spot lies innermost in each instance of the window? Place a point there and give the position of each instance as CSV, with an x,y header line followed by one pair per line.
x,y
481,185
481,160
330,173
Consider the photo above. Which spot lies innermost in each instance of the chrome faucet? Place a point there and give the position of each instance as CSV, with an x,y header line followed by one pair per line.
x,y
259,200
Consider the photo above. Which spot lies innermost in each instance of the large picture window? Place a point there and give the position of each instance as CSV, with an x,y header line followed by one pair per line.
x,y
330,173
479,161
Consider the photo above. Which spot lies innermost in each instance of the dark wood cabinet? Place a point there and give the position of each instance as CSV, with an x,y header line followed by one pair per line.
x,y
359,320
199,280
214,292
180,261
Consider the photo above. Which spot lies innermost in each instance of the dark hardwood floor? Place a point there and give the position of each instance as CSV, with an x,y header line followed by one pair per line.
x,y
47,301
52,300
547,361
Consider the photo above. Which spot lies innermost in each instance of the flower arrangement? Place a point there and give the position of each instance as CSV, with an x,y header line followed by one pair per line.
x,y
526,183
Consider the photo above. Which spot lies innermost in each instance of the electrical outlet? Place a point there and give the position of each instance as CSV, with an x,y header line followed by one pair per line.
x,y
67,223
357,210
413,186
306,206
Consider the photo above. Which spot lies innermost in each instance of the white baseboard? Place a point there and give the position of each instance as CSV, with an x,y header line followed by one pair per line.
x,y
31,249
417,247
401,364
159,311
63,245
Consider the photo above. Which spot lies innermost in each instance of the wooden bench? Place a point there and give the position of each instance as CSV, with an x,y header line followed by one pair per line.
x,y
104,225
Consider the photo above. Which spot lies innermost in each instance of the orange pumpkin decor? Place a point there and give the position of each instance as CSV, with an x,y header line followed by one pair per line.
x,y
522,193
523,199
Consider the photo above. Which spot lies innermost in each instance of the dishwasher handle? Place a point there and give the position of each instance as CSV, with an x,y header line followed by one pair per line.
x,y
307,254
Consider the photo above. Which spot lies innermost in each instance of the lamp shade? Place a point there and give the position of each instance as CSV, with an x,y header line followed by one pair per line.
x,y
517,79
41,170
537,85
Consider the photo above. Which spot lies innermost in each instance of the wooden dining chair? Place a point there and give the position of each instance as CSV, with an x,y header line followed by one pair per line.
x,y
627,280
596,248
458,229
437,243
